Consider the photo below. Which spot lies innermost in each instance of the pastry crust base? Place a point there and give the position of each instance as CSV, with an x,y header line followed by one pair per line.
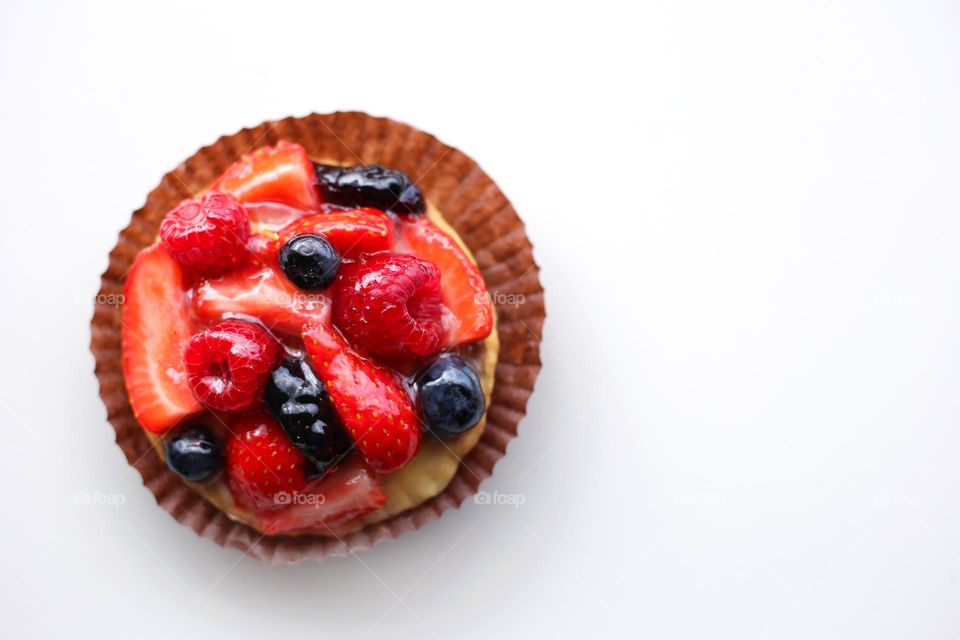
x,y
470,201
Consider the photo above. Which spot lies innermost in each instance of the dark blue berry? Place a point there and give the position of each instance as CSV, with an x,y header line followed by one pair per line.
x,y
310,261
449,397
194,454
370,186
300,403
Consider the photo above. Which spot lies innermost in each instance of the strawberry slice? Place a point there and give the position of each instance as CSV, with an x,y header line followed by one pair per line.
x,y
273,216
373,405
344,494
156,327
463,289
263,468
352,233
262,293
282,173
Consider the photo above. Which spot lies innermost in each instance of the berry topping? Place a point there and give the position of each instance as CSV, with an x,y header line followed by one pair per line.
x,y
262,463
309,261
228,364
194,454
281,173
449,396
155,329
370,186
207,235
464,292
299,402
372,403
262,293
340,496
352,233
388,305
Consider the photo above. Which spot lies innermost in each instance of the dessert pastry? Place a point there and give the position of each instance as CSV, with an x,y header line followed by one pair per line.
x,y
310,347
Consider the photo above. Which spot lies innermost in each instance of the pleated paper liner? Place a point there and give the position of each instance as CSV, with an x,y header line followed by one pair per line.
x,y
470,202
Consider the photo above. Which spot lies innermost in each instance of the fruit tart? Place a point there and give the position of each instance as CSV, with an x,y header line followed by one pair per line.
x,y
307,344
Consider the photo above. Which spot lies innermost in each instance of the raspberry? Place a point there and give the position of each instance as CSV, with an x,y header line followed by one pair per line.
x,y
388,305
228,365
207,235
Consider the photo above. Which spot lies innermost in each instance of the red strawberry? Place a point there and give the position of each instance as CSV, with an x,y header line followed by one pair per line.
x,y
207,235
156,326
388,305
352,233
228,364
464,291
282,173
373,405
262,293
273,216
261,463
346,493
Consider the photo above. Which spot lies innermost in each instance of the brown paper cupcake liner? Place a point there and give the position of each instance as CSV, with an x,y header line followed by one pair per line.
x,y
470,202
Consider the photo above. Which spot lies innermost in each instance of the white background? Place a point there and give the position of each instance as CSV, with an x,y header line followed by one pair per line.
x,y
747,218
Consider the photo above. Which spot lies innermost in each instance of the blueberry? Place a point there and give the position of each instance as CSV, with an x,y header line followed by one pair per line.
x,y
449,396
300,403
194,454
310,261
370,186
